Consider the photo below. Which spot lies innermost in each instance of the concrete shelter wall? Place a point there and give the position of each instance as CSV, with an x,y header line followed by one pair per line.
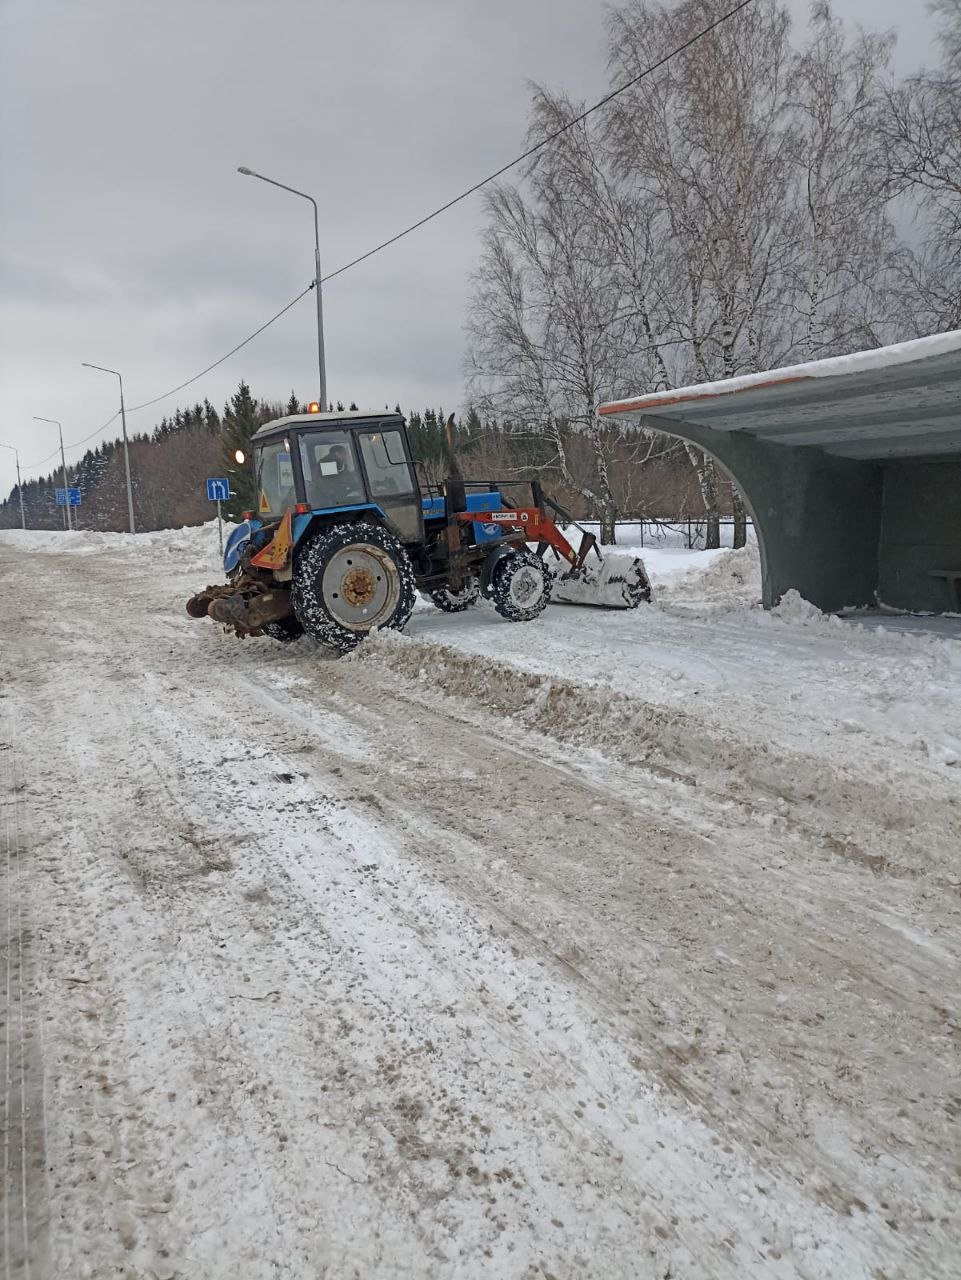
x,y
818,517
920,530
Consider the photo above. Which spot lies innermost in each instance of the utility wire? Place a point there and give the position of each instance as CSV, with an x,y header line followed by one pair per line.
x,y
103,426
147,403
256,333
544,142
414,226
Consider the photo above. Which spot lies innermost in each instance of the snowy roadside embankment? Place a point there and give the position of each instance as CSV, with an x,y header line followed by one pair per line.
x,y
197,547
792,676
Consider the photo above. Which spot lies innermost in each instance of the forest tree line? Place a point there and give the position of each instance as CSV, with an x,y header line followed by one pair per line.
x,y
169,467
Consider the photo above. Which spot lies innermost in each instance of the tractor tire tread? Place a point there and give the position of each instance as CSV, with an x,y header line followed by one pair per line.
x,y
456,601
310,609
500,588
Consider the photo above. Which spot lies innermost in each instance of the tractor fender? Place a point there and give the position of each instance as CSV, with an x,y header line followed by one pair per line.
x,y
307,522
490,563
236,545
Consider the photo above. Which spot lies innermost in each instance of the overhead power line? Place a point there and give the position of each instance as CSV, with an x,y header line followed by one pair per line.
x,y
232,352
147,403
414,226
103,426
544,142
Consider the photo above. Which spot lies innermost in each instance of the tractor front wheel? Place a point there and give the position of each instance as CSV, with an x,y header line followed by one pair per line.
x,y
350,579
520,586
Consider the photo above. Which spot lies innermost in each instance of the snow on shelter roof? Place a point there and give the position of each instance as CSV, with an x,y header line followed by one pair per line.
x,y
894,402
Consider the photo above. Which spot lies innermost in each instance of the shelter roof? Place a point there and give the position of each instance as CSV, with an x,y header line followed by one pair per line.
x,y
893,402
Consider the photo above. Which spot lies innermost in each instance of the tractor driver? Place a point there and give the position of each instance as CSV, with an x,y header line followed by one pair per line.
x,y
338,454
345,486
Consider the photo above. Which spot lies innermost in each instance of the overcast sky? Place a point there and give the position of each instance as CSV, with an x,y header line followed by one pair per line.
x,y
129,239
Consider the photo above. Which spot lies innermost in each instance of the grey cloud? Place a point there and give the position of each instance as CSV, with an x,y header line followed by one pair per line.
x,y
129,239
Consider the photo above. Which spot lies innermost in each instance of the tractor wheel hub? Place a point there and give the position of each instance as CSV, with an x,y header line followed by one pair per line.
x,y
359,587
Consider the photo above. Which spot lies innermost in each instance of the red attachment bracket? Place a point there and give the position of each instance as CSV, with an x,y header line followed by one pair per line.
x,y
532,522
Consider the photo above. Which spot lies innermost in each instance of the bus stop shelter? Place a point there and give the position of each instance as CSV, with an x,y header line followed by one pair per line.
x,y
849,466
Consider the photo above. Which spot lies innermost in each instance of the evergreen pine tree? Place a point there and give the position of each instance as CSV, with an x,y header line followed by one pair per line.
x,y
242,416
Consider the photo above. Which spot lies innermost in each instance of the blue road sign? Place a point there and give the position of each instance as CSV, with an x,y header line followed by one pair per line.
x,y
68,497
218,490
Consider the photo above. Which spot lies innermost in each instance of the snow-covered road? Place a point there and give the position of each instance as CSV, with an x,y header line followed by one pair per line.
x,y
605,946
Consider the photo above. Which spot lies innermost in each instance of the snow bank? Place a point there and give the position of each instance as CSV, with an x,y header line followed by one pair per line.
x,y
199,544
677,743
716,577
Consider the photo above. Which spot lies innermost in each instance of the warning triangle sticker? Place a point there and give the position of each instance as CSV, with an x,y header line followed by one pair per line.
x,y
264,504
276,555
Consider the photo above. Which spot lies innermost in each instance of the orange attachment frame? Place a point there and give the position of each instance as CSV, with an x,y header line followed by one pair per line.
x,y
532,522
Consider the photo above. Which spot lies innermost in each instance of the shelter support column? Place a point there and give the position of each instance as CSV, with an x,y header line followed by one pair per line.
x,y
818,517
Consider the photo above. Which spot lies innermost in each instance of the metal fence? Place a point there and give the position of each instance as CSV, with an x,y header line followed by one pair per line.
x,y
689,535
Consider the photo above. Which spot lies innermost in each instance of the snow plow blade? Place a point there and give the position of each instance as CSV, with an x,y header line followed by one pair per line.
x,y
615,582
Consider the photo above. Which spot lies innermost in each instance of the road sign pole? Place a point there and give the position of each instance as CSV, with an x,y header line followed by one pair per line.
x,y
220,529
63,463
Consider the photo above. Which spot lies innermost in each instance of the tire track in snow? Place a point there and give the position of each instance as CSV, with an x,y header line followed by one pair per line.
x,y
921,1249
25,1201
561,1068
272,736
672,1062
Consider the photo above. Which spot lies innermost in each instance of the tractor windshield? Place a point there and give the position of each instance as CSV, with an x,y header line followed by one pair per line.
x,y
331,474
275,479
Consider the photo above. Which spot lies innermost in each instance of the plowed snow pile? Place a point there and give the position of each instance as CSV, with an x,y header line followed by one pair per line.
x,y
728,577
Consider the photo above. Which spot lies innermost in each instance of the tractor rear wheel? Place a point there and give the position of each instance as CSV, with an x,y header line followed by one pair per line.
x,y
457,601
348,580
520,586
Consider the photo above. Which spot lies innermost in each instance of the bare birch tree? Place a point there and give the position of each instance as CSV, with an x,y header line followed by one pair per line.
x,y
842,272
704,143
919,155
547,330
721,216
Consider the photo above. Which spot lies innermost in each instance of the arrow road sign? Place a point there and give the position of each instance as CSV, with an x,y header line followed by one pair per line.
x,y
218,490
68,497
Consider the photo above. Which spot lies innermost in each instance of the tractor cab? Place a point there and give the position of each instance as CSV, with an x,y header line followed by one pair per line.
x,y
322,463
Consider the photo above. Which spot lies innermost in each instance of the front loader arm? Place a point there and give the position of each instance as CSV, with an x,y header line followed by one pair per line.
x,y
536,526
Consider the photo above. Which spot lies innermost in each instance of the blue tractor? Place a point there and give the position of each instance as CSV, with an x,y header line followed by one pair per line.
x,y
342,538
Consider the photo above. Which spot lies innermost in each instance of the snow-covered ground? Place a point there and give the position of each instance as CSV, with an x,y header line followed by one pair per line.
x,y
610,945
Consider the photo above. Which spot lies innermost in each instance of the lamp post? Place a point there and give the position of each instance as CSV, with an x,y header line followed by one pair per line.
x,y
63,463
23,518
126,451
249,173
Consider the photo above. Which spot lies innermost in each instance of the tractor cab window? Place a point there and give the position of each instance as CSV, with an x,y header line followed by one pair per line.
x,y
331,474
386,463
275,480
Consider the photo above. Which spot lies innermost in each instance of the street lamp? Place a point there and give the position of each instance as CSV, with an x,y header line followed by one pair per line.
x,y
63,464
23,518
249,173
126,451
